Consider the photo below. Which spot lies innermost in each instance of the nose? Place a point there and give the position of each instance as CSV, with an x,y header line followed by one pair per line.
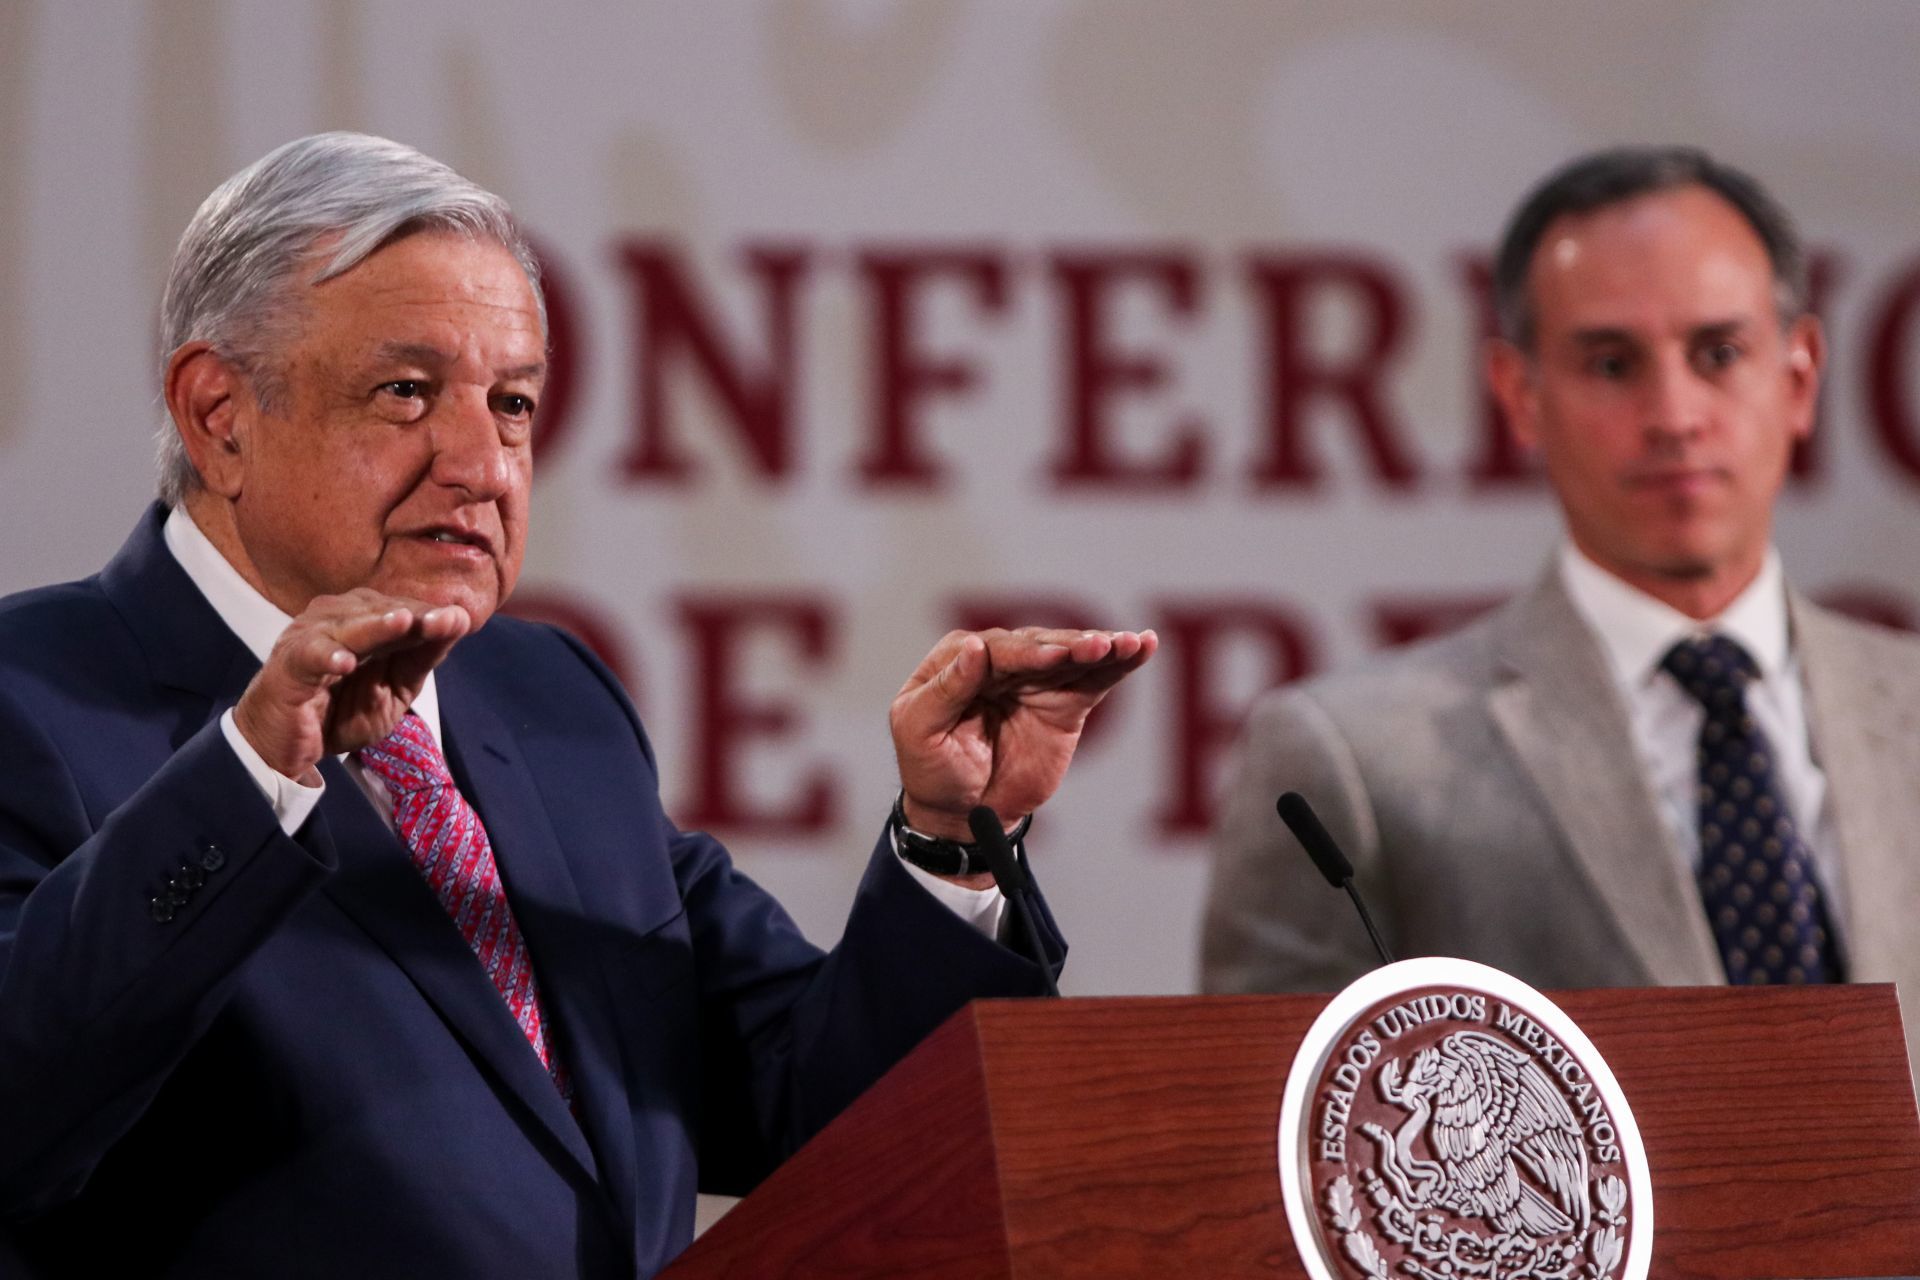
x,y
468,453
1676,403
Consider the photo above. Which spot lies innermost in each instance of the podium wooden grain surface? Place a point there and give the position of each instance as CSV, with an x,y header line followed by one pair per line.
x,y
1115,1138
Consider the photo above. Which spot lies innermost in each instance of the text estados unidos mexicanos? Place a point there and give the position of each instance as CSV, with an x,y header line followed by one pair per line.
x,y
1336,1096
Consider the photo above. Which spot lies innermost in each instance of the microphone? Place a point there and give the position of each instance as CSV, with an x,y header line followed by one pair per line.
x,y
1305,825
990,837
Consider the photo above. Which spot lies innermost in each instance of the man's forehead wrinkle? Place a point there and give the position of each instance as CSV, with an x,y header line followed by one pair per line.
x,y
1601,335
427,306
398,351
367,287
438,318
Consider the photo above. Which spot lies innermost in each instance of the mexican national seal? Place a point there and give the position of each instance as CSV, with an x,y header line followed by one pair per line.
x,y
1445,1121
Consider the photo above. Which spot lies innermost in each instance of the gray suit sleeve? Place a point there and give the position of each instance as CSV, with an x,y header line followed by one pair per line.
x,y
1272,923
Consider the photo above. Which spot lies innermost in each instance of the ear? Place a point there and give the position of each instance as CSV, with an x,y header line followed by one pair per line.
x,y
1806,357
207,397
1509,372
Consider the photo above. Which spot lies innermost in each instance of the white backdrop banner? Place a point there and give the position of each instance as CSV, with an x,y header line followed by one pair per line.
x,y
875,318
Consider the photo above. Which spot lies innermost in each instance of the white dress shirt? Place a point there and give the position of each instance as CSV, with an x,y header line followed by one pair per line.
x,y
258,622
1635,631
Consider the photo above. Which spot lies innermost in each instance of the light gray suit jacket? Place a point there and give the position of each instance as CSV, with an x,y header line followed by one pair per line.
x,y
1486,787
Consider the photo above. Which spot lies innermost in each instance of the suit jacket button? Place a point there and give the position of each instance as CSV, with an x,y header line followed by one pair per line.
x,y
211,858
161,909
190,875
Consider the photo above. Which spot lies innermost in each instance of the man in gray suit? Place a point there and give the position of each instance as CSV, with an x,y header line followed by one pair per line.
x,y
1548,790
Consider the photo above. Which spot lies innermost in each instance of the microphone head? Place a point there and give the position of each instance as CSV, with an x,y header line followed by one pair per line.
x,y
985,825
990,837
1305,825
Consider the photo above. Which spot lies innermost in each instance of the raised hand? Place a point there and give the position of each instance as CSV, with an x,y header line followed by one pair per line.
x,y
341,676
993,717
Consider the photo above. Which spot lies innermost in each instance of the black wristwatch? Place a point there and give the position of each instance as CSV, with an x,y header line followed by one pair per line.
x,y
939,856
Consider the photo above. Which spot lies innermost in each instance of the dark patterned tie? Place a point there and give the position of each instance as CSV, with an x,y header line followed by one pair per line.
x,y
1756,873
451,849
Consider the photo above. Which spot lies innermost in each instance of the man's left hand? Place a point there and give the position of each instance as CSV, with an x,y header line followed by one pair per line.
x,y
993,717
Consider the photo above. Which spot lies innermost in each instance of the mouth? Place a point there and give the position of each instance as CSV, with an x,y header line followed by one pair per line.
x,y
1678,480
456,540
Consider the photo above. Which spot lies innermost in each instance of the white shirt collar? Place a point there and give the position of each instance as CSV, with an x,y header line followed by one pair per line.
x,y
1636,630
248,614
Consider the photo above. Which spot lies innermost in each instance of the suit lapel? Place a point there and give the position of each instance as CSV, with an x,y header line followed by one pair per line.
x,y
1860,708
189,648
487,762
379,888
1567,726
187,645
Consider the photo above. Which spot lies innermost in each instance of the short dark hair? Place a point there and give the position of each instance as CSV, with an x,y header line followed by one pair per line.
x,y
1611,177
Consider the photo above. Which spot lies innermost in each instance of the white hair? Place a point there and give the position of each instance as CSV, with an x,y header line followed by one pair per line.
x,y
236,275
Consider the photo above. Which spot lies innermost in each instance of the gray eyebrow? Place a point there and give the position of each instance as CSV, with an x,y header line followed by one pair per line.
x,y
410,352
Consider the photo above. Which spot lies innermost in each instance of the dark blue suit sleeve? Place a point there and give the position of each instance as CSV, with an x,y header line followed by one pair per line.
x,y
99,996
790,1035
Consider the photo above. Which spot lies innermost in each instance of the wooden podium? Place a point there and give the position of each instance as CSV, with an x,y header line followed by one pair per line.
x,y
1118,1138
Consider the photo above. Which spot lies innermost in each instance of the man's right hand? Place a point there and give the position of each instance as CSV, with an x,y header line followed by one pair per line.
x,y
341,676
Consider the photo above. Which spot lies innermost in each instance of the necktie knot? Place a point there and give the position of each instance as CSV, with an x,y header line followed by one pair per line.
x,y
1713,669
408,759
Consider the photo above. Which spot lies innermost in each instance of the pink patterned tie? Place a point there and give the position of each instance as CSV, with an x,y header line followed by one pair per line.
x,y
451,849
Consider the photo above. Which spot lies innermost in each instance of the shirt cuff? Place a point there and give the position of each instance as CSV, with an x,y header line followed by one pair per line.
x,y
980,908
292,801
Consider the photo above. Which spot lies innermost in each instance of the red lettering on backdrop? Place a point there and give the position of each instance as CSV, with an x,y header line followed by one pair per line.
x,y
1099,372
905,375
1206,721
676,328
983,613
725,722
1288,287
585,620
1399,620
555,417
1889,399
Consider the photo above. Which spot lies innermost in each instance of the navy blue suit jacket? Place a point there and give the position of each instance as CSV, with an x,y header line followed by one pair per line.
x,y
304,1070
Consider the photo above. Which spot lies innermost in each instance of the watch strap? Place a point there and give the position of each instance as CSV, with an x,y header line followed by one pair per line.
x,y
938,855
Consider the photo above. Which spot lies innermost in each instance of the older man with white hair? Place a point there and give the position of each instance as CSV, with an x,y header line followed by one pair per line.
x,y
341,929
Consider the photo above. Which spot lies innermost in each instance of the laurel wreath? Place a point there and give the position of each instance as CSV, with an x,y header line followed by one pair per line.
x,y
1346,1219
1605,1247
